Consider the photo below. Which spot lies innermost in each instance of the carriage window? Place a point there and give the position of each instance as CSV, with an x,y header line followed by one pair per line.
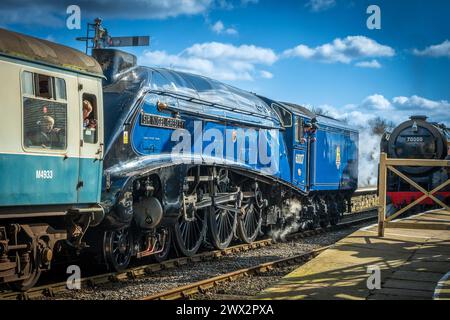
x,y
45,124
27,83
43,86
44,121
90,117
60,89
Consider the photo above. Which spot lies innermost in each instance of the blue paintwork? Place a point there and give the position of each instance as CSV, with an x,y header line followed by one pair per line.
x,y
334,159
310,166
91,171
206,104
147,141
20,186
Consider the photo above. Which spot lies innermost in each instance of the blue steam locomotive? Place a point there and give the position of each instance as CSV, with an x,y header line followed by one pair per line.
x,y
115,160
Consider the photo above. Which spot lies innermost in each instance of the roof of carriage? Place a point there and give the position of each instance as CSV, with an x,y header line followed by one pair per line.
x,y
20,46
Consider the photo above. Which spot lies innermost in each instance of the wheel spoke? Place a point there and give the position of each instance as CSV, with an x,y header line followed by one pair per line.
x,y
249,224
228,221
253,220
182,227
189,239
218,228
196,227
247,218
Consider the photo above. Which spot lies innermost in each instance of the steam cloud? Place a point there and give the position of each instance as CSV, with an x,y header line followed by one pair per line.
x,y
369,155
291,214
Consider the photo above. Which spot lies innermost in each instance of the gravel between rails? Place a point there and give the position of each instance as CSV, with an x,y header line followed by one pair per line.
x,y
169,279
245,288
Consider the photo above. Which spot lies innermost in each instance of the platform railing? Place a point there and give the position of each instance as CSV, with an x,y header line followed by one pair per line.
x,y
391,165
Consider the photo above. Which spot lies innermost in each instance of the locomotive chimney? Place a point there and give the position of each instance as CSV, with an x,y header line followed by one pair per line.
x,y
113,62
419,117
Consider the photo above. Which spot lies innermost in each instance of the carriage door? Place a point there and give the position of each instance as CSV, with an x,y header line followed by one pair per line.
x,y
300,156
91,140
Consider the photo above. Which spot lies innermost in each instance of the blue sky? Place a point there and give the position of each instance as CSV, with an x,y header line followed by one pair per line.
x,y
314,52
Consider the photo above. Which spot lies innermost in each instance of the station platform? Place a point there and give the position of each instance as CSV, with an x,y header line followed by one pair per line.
x,y
413,263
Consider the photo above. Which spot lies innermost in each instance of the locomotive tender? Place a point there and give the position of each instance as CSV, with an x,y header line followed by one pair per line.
x,y
417,138
161,157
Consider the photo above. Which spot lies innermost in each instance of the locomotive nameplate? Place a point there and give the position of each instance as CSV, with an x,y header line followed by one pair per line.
x,y
151,120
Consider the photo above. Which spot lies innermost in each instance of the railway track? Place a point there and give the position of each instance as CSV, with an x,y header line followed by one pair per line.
x,y
54,289
203,286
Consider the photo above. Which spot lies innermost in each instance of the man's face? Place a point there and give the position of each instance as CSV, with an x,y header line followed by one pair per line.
x,y
47,126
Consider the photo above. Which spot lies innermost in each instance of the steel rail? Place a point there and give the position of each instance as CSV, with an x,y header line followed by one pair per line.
x,y
204,285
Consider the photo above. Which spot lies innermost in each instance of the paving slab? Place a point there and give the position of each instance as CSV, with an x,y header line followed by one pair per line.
x,y
408,262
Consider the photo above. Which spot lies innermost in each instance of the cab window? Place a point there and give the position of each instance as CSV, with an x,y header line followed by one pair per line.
x,y
298,129
284,115
90,118
44,117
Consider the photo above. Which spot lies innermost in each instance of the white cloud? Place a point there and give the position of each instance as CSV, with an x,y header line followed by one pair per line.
x,y
369,64
219,28
397,109
320,5
266,74
218,50
224,4
342,50
230,5
301,50
217,60
231,31
439,50
377,102
415,102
